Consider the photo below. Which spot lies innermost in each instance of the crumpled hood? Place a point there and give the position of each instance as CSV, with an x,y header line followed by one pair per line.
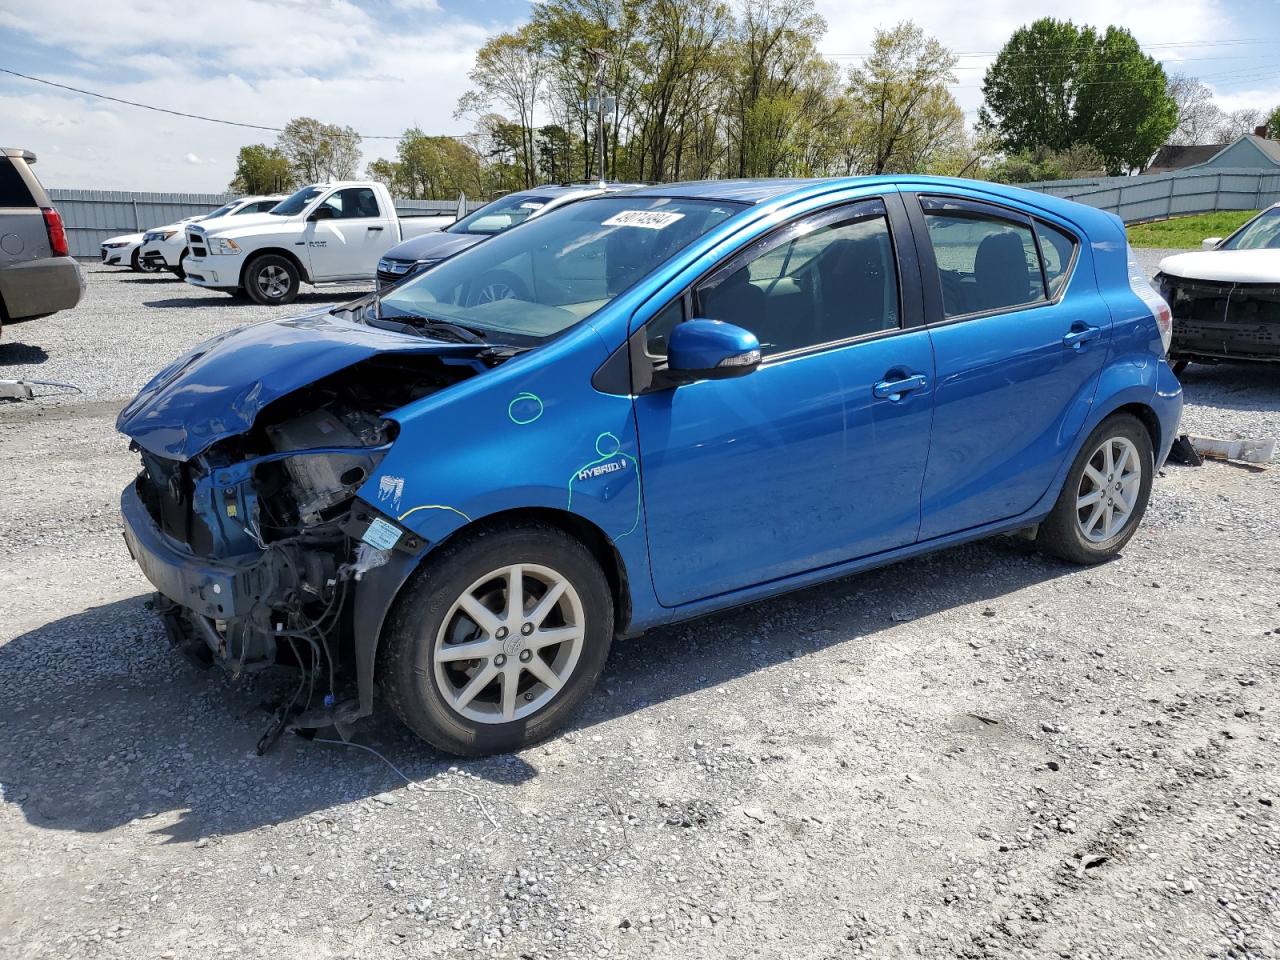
x,y
433,246
217,390
1225,266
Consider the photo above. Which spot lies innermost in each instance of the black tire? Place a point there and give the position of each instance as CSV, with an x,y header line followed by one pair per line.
x,y
1060,533
1179,366
271,280
180,271
139,265
406,670
485,286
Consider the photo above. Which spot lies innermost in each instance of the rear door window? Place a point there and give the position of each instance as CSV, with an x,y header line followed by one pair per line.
x,y
13,189
985,261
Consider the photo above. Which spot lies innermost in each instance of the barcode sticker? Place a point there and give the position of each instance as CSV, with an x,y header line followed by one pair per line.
x,y
650,219
382,534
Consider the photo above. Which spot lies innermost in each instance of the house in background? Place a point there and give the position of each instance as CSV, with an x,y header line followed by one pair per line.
x,y
1252,151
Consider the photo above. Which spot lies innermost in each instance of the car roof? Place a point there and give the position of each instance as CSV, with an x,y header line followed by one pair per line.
x,y
756,191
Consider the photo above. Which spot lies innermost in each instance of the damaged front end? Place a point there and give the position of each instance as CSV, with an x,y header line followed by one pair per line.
x,y
1222,320
255,538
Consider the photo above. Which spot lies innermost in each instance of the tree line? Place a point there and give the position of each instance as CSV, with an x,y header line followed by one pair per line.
x,y
697,89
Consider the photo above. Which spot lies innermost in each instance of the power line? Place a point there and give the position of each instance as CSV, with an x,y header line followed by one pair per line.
x,y
180,113
1148,46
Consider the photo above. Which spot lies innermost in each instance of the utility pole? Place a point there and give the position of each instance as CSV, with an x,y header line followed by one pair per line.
x,y
598,57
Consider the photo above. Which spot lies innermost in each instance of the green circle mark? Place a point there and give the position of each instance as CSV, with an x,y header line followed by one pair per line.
x,y
527,414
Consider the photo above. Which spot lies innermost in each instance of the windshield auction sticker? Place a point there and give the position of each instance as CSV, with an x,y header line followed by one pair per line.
x,y
650,219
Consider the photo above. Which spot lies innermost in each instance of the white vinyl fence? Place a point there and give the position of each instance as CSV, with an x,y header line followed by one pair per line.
x,y
1136,199
92,216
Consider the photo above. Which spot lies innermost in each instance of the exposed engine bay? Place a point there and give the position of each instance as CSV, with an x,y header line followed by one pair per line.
x,y
273,512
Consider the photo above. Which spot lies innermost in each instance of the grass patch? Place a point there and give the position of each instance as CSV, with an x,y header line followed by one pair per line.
x,y
1187,232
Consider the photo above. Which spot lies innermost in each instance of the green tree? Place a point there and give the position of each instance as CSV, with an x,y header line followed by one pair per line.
x,y
509,71
319,151
1054,85
1123,109
1273,123
903,114
261,169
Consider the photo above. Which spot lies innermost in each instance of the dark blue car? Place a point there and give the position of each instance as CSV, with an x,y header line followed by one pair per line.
x,y
707,393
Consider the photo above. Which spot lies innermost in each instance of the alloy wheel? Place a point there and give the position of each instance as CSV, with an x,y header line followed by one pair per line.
x,y
1109,489
509,643
497,290
273,281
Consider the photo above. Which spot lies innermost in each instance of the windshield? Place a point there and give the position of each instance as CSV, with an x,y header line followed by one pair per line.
x,y
503,214
535,282
222,211
298,201
1260,233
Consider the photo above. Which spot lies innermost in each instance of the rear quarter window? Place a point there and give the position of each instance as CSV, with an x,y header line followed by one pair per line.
x,y
1058,251
13,189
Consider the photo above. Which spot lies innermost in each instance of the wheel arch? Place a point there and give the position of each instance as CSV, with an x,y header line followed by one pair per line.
x,y
279,252
1148,418
381,587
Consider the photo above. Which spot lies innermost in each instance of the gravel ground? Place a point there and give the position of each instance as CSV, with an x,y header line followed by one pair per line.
x,y
982,753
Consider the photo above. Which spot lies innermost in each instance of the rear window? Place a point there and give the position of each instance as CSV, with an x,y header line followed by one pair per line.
x,y
13,189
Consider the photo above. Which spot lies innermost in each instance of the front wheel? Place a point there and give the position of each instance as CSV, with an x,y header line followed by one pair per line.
x,y
496,285
498,640
142,265
180,271
272,280
1105,494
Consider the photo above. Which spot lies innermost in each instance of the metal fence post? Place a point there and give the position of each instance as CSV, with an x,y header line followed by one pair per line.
x,y
137,223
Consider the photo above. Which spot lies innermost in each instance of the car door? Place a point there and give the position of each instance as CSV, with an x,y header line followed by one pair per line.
x,y
346,234
1019,340
817,456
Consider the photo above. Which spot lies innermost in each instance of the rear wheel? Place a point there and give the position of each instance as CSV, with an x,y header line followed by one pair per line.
x,y
272,279
498,640
1105,494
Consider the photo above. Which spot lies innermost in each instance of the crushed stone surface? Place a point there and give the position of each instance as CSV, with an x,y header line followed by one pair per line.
x,y
983,753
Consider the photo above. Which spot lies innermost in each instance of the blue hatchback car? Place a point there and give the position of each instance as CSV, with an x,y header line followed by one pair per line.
x,y
707,394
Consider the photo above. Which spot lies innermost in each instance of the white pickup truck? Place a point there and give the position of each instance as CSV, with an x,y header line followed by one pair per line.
x,y
324,233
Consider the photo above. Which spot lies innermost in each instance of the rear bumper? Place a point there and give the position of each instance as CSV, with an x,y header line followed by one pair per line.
x,y
219,590
34,288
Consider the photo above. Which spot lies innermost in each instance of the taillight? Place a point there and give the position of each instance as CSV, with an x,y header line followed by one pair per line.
x,y
57,232
1141,286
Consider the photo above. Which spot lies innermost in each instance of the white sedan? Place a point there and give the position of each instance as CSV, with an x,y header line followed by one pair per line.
x,y
122,251
1226,298
164,247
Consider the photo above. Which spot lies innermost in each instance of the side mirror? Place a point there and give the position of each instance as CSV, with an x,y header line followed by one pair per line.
x,y
710,350
321,213
1210,243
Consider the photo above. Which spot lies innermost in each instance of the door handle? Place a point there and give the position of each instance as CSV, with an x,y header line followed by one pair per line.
x,y
373,228
1080,334
895,390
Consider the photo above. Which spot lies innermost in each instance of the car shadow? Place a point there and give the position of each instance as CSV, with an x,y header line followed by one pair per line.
x,y
106,726
303,299
165,277
18,354
1231,386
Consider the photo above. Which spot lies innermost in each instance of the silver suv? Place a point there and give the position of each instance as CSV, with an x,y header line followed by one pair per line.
x,y
37,275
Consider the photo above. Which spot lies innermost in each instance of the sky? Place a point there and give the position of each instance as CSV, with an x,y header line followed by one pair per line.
x,y
384,65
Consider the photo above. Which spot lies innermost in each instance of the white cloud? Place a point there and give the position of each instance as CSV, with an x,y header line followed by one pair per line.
x,y
984,30
255,61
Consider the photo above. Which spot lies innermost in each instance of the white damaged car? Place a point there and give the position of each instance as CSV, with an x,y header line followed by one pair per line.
x,y
1226,298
